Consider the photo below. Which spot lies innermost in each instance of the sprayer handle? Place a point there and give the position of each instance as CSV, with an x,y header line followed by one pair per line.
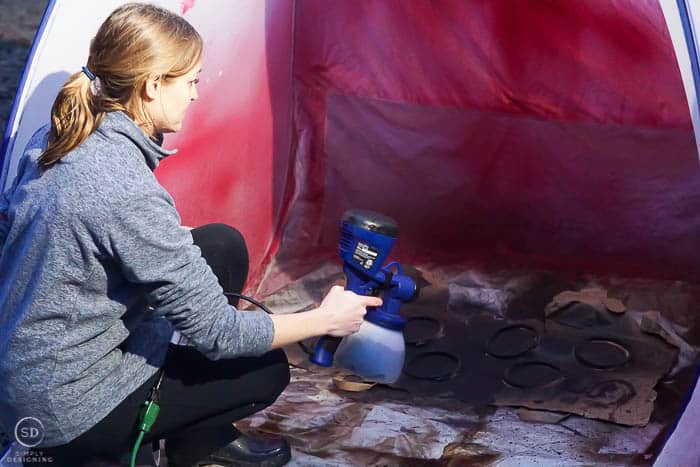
x,y
325,348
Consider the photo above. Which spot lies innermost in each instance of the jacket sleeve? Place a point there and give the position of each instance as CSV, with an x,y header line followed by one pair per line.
x,y
26,168
152,249
4,221
5,200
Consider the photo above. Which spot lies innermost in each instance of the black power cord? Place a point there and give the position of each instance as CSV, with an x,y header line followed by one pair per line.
x,y
151,408
147,416
301,344
248,299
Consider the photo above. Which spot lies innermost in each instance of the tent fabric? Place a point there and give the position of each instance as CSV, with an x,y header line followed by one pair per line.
x,y
682,19
233,159
536,134
546,134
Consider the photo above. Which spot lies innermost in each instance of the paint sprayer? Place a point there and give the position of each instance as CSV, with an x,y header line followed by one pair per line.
x,y
375,352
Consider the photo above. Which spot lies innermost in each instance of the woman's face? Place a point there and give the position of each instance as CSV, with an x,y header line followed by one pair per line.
x,y
171,100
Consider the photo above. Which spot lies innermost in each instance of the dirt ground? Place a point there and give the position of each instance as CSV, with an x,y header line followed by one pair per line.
x,y
19,20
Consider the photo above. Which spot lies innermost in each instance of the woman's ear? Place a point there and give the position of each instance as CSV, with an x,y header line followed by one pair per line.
x,y
152,89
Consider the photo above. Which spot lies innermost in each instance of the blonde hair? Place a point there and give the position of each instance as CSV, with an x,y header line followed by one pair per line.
x,y
135,42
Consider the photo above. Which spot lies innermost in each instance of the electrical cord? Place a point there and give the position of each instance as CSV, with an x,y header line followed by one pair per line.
x,y
149,411
301,344
147,416
248,299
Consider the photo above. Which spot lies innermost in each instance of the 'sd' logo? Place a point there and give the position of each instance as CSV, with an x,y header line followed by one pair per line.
x,y
29,432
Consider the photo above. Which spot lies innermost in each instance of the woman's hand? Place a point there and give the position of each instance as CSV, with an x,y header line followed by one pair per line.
x,y
340,314
343,310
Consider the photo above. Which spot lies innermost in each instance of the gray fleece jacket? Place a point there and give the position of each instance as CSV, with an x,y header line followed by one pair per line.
x,y
95,272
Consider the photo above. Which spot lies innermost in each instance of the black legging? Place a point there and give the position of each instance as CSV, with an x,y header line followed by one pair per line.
x,y
199,397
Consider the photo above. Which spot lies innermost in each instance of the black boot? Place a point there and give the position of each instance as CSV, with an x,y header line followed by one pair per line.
x,y
244,450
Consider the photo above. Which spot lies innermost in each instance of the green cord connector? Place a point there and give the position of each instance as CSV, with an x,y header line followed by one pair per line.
x,y
147,417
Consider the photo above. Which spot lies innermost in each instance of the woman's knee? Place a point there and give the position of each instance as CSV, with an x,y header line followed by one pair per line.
x,y
219,238
224,249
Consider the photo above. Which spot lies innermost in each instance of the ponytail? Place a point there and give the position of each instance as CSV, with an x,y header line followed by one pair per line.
x,y
136,41
73,119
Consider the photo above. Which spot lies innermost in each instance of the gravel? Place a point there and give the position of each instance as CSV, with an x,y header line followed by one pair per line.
x,y
19,20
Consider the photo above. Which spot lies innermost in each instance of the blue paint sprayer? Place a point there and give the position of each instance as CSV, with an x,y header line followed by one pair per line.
x,y
375,352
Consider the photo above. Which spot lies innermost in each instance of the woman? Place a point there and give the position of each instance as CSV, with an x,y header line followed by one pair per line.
x,y
97,272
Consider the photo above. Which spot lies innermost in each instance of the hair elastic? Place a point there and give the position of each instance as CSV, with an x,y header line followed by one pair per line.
x,y
89,73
